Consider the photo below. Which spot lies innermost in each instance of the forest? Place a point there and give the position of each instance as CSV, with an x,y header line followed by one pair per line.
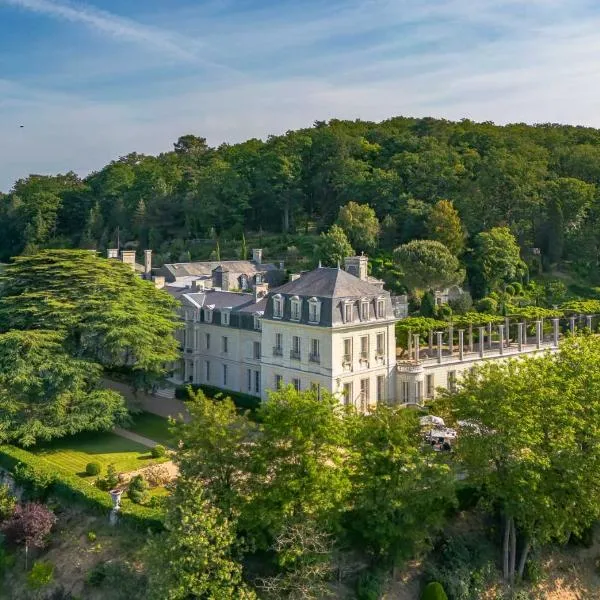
x,y
539,181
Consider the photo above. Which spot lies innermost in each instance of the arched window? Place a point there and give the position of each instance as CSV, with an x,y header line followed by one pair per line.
x,y
296,308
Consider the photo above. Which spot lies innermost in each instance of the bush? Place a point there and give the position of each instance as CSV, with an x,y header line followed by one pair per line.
x,y
93,468
41,574
487,305
7,503
35,483
434,591
462,304
243,401
371,585
118,579
157,475
517,288
158,451
110,481
91,536
138,490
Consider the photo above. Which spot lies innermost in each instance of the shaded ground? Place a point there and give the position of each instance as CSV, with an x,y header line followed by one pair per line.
x,y
153,427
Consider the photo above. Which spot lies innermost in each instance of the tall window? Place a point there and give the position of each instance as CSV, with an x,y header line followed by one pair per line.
x,y
278,347
207,340
207,371
296,305
249,377
256,349
277,307
225,318
314,350
257,323
314,310
380,388
451,380
348,393
347,312
295,352
278,382
224,345
347,350
404,391
380,344
364,310
380,308
257,382
365,391
429,386
364,347
224,375
296,384
208,315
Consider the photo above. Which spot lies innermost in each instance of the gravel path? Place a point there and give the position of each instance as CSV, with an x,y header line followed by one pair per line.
x,y
134,437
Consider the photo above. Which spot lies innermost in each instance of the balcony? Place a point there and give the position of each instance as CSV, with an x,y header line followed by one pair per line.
x,y
364,356
314,358
295,354
347,359
277,351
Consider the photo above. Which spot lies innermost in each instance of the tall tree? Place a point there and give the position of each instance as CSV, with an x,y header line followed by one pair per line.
x,y
333,247
360,224
444,225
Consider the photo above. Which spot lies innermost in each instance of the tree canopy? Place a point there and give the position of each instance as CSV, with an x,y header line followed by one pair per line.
x,y
360,224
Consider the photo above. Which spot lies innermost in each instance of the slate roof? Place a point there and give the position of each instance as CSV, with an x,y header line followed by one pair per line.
x,y
205,268
327,282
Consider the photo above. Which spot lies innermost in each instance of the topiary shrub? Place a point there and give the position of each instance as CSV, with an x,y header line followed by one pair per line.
x,y
487,305
434,591
517,287
137,491
93,468
158,451
510,290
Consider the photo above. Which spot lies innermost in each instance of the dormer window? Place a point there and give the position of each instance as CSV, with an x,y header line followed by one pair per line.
x,y
314,310
364,310
277,306
259,278
380,308
348,312
296,308
225,316
208,314
258,321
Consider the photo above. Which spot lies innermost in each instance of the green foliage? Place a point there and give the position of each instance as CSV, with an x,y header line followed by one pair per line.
x,y
158,451
434,591
487,305
242,401
41,575
111,479
137,490
7,502
371,585
444,225
333,247
360,224
118,580
461,305
93,468
91,536
428,307
428,265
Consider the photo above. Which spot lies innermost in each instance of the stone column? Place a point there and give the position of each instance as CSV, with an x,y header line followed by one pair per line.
x,y
431,342
542,328
520,336
588,319
471,337
461,344
524,332
409,345
489,332
439,345
555,331
481,341
451,339
538,334
507,330
501,338
417,348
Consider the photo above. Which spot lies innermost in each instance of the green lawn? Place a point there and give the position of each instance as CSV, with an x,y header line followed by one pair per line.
x,y
75,452
153,427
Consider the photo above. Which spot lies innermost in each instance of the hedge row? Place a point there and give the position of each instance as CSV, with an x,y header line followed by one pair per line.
x,y
244,401
53,481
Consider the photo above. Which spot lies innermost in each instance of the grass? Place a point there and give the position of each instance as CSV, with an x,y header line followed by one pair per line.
x,y
153,427
75,452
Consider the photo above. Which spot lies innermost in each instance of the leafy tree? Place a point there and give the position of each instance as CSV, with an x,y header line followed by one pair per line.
x,y
333,247
497,256
8,502
428,265
47,393
444,225
104,312
428,307
400,491
532,443
196,557
360,224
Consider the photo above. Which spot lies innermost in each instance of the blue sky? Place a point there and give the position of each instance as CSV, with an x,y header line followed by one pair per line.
x,y
93,81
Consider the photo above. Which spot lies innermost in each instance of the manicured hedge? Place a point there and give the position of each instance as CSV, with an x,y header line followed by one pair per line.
x,y
71,489
244,401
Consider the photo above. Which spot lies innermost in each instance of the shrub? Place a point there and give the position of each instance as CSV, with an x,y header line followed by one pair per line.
x,y
91,536
111,480
158,451
243,401
7,503
434,591
510,290
371,585
36,484
93,468
41,574
517,287
462,304
487,305
138,490
118,579
444,311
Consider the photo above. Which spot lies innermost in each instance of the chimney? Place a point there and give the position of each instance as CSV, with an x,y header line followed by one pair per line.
x,y
260,291
159,282
257,255
128,258
357,266
295,276
112,253
197,286
147,262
